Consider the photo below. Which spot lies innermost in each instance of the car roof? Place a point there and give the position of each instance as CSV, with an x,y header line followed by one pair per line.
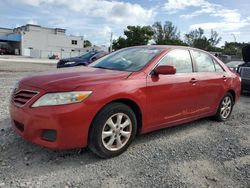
x,y
159,46
169,47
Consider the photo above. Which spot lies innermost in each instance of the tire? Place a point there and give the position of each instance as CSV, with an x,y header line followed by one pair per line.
x,y
109,138
225,109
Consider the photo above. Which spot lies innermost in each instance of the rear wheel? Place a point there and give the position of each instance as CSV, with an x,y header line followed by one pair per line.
x,y
225,108
113,130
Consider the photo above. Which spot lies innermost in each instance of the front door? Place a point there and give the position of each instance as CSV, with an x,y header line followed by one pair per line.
x,y
172,98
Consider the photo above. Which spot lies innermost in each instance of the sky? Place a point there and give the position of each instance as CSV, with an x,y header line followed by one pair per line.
x,y
96,19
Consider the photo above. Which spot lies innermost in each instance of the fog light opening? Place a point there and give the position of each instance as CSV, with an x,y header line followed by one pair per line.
x,y
49,135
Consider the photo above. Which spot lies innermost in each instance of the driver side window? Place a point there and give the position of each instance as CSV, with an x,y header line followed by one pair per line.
x,y
180,59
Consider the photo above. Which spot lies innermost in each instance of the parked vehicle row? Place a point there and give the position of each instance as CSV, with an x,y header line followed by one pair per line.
x,y
6,51
103,106
235,65
82,60
242,68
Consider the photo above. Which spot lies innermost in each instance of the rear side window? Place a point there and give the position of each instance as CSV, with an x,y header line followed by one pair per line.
x,y
218,67
203,61
180,59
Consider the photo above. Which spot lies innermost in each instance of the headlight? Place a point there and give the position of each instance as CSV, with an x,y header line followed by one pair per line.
x,y
70,63
16,86
51,99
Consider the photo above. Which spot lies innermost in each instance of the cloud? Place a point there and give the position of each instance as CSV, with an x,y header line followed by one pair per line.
x,y
33,22
175,5
214,10
104,31
117,12
222,26
226,19
230,20
236,32
31,2
96,18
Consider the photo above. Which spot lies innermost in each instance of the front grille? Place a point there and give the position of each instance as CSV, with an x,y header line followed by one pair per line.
x,y
245,72
21,97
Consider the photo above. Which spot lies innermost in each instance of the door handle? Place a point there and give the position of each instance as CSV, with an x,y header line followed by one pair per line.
x,y
193,81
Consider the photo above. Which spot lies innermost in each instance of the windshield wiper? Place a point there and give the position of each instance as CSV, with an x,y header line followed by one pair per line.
x,y
100,67
109,68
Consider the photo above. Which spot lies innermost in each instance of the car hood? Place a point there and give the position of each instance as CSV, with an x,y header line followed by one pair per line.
x,y
71,78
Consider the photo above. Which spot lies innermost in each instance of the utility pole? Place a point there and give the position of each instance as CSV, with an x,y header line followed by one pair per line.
x,y
235,43
234,37
111,41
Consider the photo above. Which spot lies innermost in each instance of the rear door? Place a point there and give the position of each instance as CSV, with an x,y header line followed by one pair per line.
x,y
212,80
172,98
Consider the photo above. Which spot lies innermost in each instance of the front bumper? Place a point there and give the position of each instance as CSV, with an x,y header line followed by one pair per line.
x,y
70,123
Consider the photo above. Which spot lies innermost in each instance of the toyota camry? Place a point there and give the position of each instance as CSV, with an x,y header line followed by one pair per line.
x,y
131,91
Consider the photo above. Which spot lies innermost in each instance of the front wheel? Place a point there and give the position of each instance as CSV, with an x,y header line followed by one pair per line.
x,y
225,108
112,130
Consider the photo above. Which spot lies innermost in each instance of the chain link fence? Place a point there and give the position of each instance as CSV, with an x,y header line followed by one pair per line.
x,y
58,53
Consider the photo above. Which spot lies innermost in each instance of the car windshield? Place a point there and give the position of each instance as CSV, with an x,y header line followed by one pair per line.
x,y
128,59
87,55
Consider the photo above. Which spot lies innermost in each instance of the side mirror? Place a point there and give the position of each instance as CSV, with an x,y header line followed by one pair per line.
x,y
164,69
92,59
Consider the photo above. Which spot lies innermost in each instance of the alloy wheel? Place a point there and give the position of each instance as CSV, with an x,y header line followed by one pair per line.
x,y
116,131
226,107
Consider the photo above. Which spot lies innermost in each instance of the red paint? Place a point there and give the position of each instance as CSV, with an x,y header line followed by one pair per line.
x,y
164,100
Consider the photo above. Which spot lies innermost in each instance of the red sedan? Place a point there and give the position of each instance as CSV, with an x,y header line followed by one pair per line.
x,y
133,90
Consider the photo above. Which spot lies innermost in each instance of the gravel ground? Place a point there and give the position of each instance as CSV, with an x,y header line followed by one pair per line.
x,y
203,153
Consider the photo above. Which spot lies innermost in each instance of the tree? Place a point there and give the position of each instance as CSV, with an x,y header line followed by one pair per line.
x,y
87,43
197,39
233,48
134,36
137,35
158,33
202,43
193,36
214,38
119,43
166,34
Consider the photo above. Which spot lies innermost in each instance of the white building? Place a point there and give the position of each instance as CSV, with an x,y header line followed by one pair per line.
x,y
41,42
